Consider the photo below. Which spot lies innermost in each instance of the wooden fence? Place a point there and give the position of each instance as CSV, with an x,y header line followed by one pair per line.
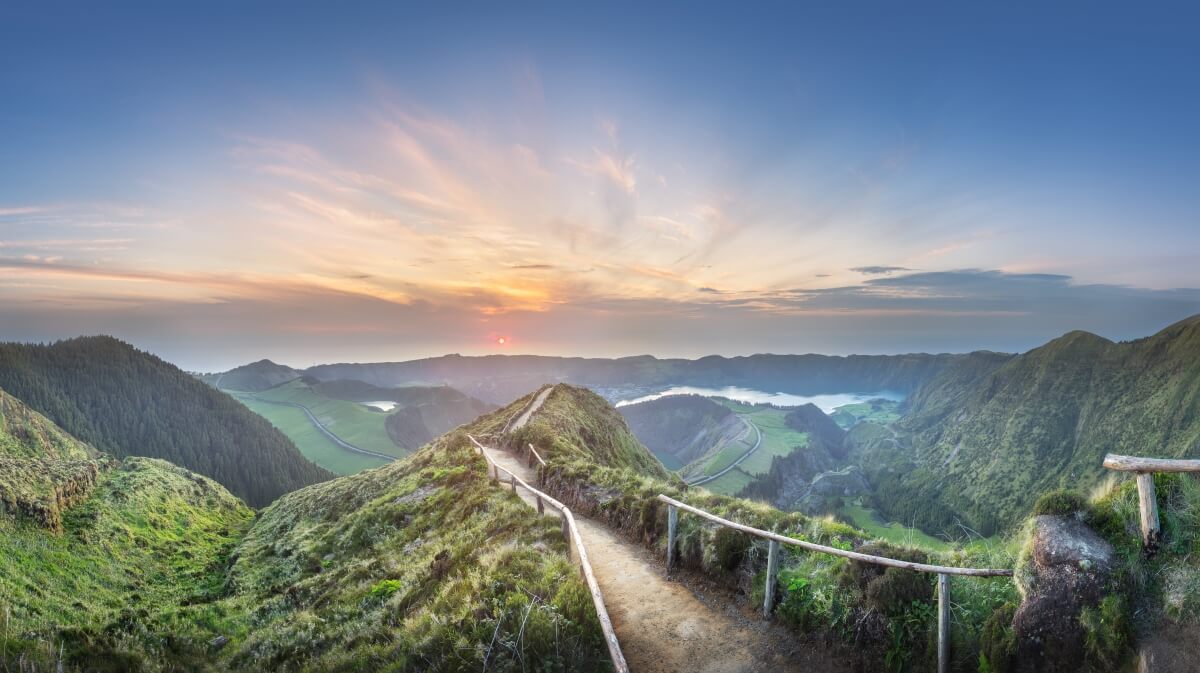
x,y
775,539
570,533
1145,468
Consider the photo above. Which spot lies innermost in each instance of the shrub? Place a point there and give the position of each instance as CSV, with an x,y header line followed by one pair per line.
x,y
998,642
1106,633
1060,503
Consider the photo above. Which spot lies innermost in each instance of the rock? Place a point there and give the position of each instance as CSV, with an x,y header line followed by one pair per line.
x,y
1070,569
218,642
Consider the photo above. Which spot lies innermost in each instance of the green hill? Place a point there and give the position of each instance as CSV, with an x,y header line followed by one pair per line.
x,y
979,443
576,422
255,377
680,429
420,565
89,541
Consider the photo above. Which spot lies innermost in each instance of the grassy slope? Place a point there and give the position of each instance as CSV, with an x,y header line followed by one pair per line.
x,y
777,440
351,421
577,422
420,565
126,402
313,443
820,594
985,444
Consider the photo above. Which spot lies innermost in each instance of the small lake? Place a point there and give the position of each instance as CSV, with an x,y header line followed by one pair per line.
x,y
382,406
826,402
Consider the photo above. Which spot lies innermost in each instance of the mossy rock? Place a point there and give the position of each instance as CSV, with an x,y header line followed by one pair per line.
x,y
1062,502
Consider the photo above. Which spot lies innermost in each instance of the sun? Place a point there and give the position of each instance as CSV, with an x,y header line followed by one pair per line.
x,y
502,340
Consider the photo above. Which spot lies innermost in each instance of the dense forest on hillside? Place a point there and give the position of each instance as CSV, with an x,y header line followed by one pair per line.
x,y
981,441
127,402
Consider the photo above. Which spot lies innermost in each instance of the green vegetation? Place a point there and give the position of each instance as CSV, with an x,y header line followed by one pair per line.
x,y
314,444
352,422
881,411
418,565
778,438
868,520
128,403
987,435
577,422
683,429
886,614
254,377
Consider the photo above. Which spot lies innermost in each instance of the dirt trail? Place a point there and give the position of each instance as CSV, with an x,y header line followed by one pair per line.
x,y
537,404
663,626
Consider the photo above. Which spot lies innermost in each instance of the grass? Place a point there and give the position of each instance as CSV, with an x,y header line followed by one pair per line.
x,y
312,442
729,483
353,422
419,565
869,521
879,411
777,440
150,535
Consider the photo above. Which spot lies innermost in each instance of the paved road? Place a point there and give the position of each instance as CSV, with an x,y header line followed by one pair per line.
x,y
735,463
324,430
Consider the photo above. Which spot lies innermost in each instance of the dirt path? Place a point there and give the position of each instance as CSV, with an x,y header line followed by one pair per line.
x,y
663,626
533,406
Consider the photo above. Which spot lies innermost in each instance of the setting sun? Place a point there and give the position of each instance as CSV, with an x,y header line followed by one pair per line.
x,y
502,340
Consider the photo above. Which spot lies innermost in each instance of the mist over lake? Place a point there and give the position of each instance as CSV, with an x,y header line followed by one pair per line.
x,y
826,402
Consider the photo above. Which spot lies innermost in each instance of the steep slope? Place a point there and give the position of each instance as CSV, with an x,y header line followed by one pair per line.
x,y
126,402
500,378
980,444
256,376
680,429
88,541
575,421
421,413
43,470
421,565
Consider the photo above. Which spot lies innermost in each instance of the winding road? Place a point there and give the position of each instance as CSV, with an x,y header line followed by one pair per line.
x,y
757,443
324,430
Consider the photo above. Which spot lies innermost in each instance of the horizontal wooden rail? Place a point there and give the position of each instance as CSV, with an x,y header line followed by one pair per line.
x,y
1147,500
1135,464
775,539
867,558
571,534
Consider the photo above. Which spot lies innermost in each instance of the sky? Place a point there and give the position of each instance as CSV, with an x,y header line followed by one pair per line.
x,y
219,182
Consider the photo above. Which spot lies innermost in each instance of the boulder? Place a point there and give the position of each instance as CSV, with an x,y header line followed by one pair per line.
x,y
1070,568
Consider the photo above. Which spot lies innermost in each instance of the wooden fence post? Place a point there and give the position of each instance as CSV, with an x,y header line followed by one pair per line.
x,y
943,596
1149,506
772,572
541,507
493,473
514,483
672,521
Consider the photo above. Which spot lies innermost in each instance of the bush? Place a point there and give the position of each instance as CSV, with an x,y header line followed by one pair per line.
x,y
998,642
1106,633
887,590
1060,503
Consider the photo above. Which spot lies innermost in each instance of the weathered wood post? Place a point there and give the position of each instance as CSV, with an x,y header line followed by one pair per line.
x,y
541,507
493,472
672,521
514,483
772,572
1149,506
943,596
566,531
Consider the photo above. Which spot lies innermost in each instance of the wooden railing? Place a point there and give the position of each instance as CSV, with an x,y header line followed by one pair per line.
x,y
1145,468
775,539
570,533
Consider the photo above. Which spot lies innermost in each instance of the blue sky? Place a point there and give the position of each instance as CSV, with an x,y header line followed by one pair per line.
x,y
599,179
